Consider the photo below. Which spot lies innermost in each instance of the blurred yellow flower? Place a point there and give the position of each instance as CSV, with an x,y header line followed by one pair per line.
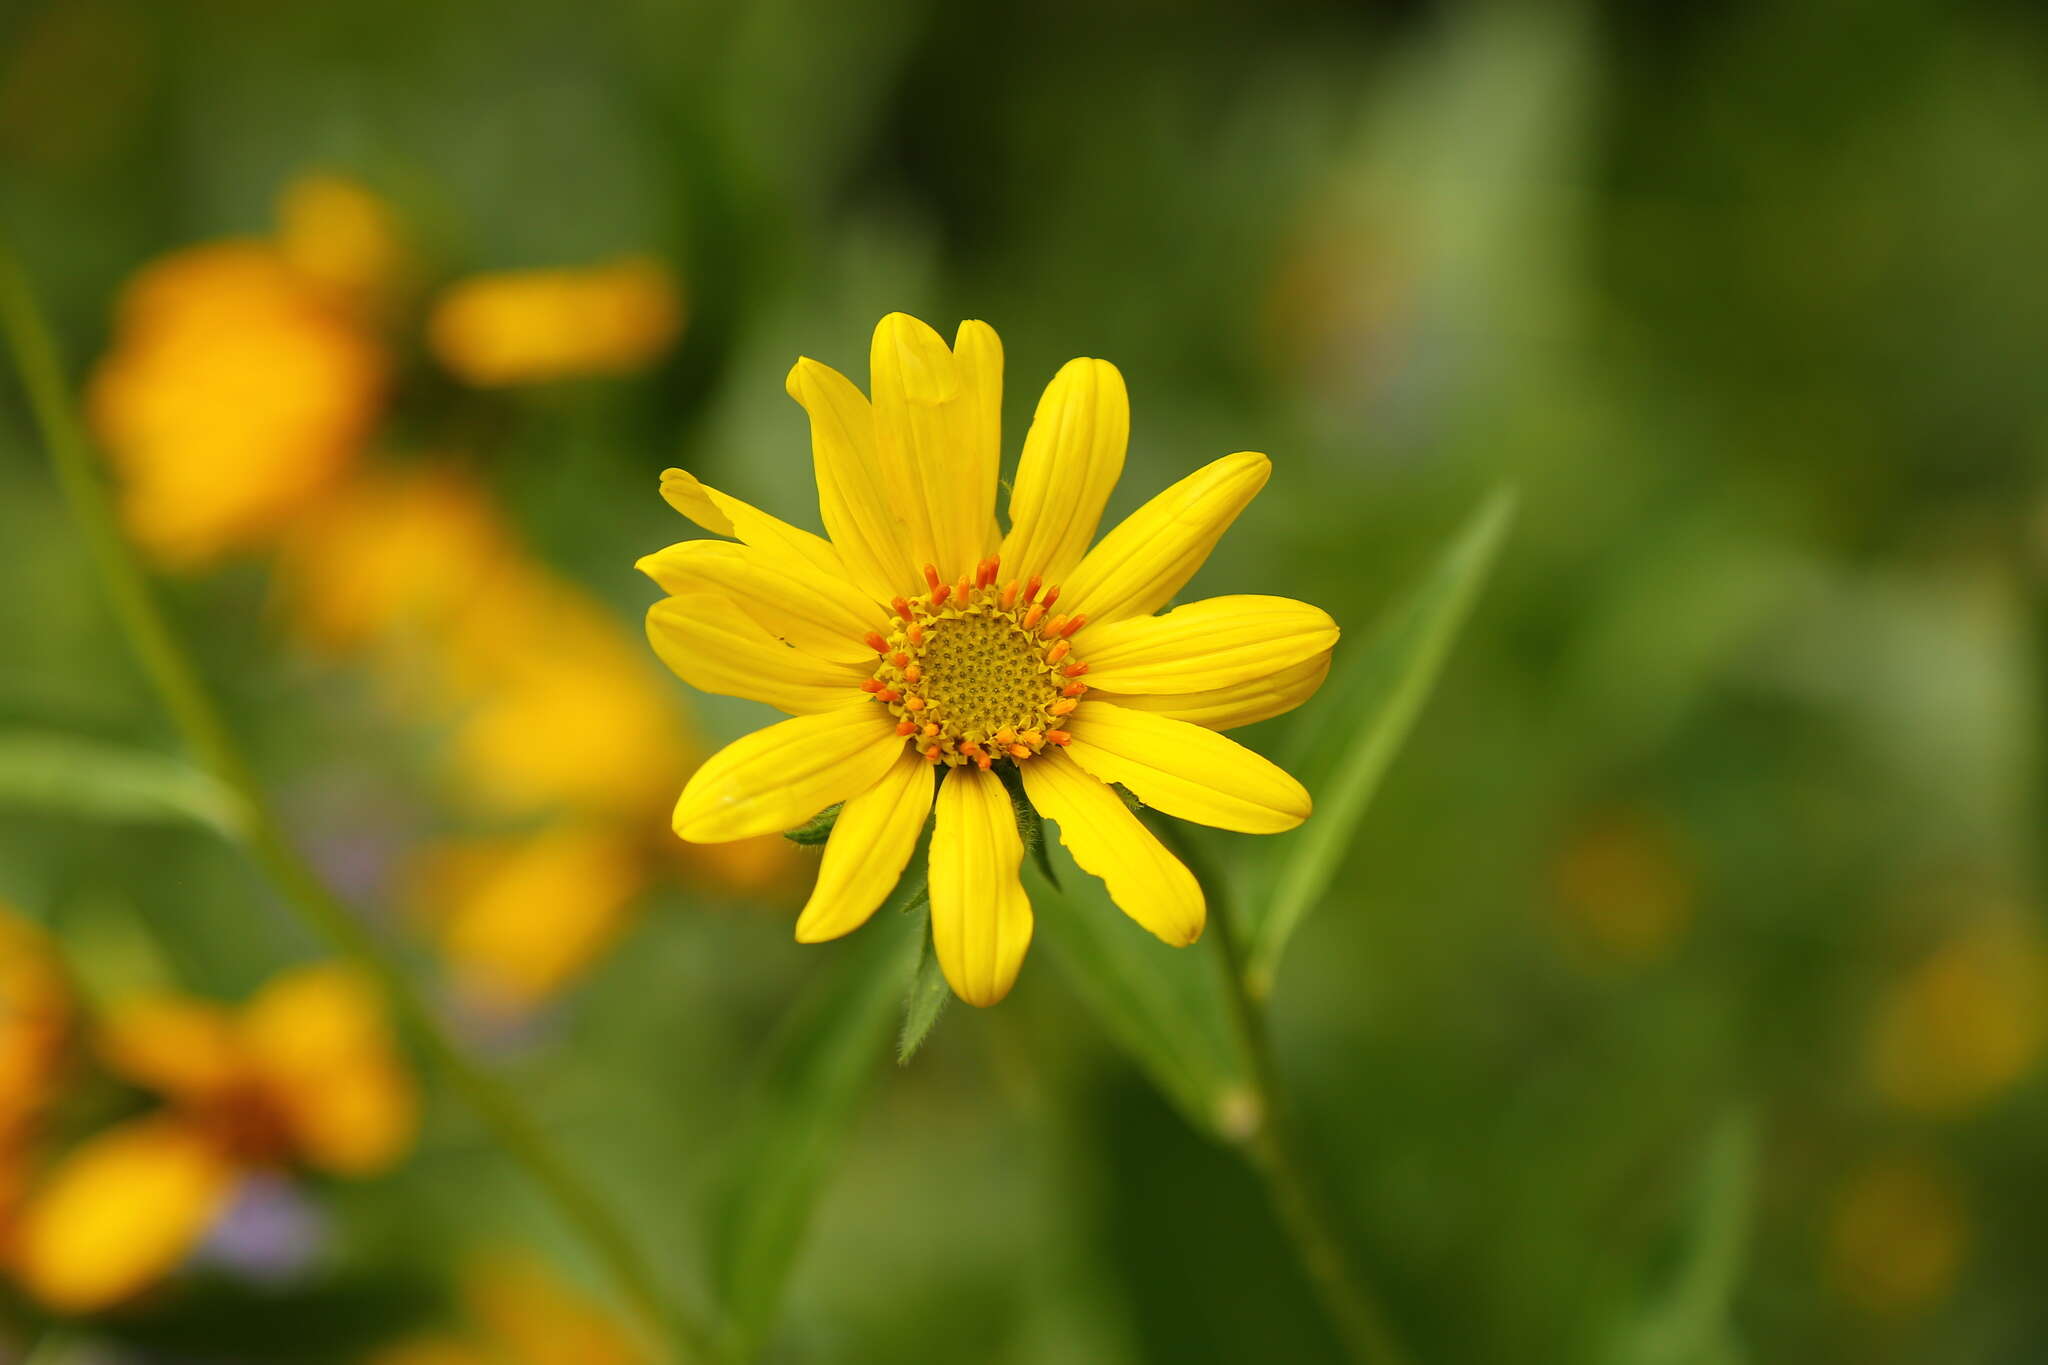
x,y
1966,1022
519,916
906,655
342,237
308,1073
1622,888
518,1312
235,393
1898,1235
533,326
120,1212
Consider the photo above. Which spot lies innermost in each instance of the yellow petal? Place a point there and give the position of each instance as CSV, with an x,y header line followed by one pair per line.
x,y
1226,708
1157,548
924,422
777,778
1073,454
853,496
979,354
182,1048
981,922
1145,880
319,1043
812,612
724,515
715,647
1216,642
119,1213
1184,770
872,841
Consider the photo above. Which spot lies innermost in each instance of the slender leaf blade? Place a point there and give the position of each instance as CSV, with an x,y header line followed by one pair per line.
x,y
1163,1005
1385,687
93,779
927,997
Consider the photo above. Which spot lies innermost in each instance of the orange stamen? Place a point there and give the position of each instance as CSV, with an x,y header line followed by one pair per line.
x,y
915,703
1057,652
887,694
1076,670
931,576
912,673
1074,689
940,593
901,606
916,633
1032,737
986,574
1031,617
874,641
1031,588
1060,737
1063,707
931,729
906,728
963,587
1019,751
1005,737
1075,624
931,755
1056,625
1010,595
984,762
872,685
1052,595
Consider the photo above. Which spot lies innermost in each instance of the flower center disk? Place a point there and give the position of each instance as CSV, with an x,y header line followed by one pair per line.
x,y
974,672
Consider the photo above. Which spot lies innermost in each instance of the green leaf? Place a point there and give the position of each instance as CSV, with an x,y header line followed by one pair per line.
x,y
73,775
1686,1321
1383,689
815,830
789,1133
1030,825
1162,1005
927,996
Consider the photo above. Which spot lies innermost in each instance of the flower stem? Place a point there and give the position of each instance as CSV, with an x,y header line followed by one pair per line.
x,y
200,720
1274,1147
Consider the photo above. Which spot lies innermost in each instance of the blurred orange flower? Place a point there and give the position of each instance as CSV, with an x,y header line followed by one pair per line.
x,y
307,1073
533,326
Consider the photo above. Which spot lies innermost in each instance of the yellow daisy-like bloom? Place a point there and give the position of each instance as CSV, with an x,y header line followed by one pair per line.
x,y
306,1074
920,636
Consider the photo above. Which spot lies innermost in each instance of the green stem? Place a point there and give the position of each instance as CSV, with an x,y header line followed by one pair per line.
x,y
199,719
1274,1146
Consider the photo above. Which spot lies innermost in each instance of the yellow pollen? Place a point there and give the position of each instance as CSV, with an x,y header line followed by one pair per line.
x,y
973,672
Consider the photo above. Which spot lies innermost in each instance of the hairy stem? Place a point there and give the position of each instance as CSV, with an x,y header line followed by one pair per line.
x,y
200,720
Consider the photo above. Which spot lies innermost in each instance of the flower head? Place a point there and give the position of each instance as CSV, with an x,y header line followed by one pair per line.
x,y
921,640
307,1075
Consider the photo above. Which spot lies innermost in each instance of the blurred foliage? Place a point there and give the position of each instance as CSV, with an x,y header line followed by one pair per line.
x,y
1679,997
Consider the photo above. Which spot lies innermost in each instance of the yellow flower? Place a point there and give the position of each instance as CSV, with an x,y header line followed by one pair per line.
x,y
532,326
35,1018
341,236
521,915
235,393
921,637
1964,1024
1898,1235
1623,888
306,1073
521,1313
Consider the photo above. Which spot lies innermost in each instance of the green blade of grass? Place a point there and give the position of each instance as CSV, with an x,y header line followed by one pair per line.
x,y
1384,686
88,778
